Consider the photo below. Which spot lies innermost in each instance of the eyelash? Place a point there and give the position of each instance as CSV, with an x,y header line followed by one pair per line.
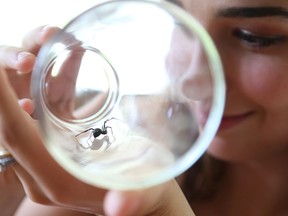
x,y
257,41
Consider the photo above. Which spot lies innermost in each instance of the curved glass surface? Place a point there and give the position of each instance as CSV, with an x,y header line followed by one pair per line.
x,y
129,94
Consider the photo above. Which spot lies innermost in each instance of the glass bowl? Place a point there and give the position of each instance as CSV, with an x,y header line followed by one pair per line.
x,y
129,94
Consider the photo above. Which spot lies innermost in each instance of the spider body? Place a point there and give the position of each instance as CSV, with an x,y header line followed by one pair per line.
x,y
96,132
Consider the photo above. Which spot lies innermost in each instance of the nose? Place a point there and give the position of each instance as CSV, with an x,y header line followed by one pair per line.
x,y
188,67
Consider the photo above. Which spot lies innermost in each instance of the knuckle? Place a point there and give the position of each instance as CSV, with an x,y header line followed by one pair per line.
x,y
8,55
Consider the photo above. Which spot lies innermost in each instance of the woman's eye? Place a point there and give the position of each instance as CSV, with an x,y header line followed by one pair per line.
x,y
256,40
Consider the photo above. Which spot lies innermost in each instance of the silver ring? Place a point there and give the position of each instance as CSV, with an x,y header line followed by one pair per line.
x,y
5,160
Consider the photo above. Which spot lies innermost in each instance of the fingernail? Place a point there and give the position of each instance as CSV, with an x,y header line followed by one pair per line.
x,y
22,55
44,33
45,28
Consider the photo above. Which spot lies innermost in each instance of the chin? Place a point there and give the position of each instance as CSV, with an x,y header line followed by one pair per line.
x,y
226,152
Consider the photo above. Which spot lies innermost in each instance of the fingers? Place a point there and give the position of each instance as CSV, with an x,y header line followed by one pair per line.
x,y
42,177
18,62
23,59
27,105
21,137
165,199
19,133
14,124
121,204
34,39
16,59
129,203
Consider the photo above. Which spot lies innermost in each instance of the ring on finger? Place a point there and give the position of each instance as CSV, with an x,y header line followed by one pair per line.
x,y
5,159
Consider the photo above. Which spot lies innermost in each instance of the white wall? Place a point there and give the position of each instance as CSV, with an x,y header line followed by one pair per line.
x,y
17,17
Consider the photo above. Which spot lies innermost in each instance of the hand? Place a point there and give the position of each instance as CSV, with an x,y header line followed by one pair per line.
x,y
44,180
18,62
11,192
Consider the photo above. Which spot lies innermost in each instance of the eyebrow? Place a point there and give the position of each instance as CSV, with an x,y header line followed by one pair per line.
x,y
252,12
177,2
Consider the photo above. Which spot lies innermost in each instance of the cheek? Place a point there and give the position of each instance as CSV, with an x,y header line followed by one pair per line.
x,y
258,83
265,80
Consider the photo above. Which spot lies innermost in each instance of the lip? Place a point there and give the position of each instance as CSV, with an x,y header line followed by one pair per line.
x,y
229,121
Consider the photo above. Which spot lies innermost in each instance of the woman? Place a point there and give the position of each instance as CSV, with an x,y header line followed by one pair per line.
x,y
244,171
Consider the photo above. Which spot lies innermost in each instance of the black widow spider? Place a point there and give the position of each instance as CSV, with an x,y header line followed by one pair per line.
x,y
95,144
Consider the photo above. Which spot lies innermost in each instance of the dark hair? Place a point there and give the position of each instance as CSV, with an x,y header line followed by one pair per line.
x,y
201,180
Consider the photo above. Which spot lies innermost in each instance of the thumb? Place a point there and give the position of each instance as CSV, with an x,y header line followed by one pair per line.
x,y
132,203
119,203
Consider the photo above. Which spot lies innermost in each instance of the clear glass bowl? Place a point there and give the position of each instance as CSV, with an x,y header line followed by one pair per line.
x,y
129,94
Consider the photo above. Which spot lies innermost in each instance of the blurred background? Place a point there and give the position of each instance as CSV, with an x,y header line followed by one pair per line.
x,y
17,17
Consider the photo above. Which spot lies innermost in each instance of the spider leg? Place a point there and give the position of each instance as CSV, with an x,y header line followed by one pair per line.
x,y
90,140
107,140
84,131
108,127
81,145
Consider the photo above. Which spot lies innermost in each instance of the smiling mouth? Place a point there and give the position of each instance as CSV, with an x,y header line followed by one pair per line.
x,y
233,120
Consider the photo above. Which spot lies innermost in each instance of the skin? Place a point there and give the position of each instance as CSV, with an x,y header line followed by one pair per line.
x,y
42,178
252,138
11,192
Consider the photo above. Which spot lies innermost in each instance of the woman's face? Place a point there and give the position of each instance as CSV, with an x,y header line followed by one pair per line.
x,y
252,39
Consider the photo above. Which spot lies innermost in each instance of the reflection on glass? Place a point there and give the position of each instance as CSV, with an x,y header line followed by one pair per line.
x,y
129,94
